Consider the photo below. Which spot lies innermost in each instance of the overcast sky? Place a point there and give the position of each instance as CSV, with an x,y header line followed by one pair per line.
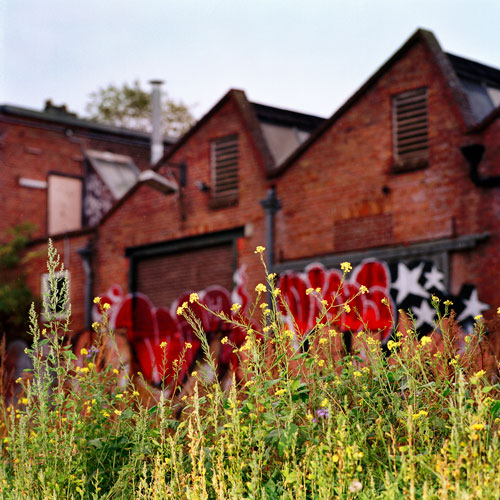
x,y
307,55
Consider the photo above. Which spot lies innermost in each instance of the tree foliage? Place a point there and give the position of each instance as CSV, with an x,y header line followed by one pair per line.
x,y
15,296
130,106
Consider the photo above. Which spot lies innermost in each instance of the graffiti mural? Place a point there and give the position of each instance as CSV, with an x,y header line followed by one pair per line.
x,y
159,337
390,288
374,290
372,310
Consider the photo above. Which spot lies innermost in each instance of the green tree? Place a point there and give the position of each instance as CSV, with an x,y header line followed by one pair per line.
x,y
130,106
15,296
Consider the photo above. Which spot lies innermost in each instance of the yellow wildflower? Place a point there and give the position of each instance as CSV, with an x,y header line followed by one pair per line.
x,y
391,345
347,308
97,300
321,362
279,392
357,373
271,276
189,345
235,307
193,298
276,292
83,351
363,289
425,340
346,267
115,371
180,309
261,288
163,345
324,403
225,340
118,412
95,325
260,249
309,290
477,427
478,317
448,303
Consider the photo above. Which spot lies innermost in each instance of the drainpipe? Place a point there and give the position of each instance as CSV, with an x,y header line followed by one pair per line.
x,y
474,154
86,255
271,205
156,134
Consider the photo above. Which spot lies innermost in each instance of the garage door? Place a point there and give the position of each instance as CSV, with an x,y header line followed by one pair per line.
x,y
163,278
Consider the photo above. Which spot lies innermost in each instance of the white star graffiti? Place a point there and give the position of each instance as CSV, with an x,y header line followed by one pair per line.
x,y
424,314
434,279
473,306
407,282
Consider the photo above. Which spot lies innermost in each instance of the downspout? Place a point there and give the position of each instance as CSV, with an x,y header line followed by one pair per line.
x,y
473,153
86,255
271,205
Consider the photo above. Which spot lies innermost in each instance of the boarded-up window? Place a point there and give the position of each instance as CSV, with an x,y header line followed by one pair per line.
x,y
224,165
410,128
166,277
64,204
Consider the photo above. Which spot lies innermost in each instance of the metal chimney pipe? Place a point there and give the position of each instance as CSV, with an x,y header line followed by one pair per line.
x,y
156,134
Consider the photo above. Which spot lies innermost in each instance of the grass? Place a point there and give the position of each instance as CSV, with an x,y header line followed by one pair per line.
x,y
419,421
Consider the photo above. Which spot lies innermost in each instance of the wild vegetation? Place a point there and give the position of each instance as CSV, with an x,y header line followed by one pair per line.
x,y
301,420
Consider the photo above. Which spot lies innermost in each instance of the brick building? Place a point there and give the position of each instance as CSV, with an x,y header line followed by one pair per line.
x,y
62,174
401,181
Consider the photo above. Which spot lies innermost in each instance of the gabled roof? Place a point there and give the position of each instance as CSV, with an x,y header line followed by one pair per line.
x,y
285,130
273,131
445,64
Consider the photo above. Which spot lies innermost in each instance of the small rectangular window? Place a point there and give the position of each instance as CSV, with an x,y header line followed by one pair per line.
x,y
224,166
410,129
58,299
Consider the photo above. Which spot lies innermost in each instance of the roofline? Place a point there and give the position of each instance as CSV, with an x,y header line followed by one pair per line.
x,y
250,118
59,236
485,122
440,58
69,120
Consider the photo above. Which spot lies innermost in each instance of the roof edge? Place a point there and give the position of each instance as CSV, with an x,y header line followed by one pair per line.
x,y
420,35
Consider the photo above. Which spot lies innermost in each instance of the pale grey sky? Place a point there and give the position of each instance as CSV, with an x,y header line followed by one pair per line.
x,y
303,55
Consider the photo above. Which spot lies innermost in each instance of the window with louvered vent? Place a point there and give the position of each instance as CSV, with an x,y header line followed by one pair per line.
x,y
410,127
224,160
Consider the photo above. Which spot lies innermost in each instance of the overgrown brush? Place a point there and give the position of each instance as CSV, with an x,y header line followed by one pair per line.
x,y
301,420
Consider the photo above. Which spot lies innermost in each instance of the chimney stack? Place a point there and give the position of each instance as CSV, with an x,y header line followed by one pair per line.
x,y
156,134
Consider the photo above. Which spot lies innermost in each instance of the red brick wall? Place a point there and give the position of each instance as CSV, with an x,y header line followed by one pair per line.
x,y
35,148
149,216
344,183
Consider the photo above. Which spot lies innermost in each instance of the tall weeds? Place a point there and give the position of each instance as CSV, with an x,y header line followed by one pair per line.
x,y
301,419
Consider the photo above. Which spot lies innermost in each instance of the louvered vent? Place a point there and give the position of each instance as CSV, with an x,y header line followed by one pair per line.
x,y
410,126
225,169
